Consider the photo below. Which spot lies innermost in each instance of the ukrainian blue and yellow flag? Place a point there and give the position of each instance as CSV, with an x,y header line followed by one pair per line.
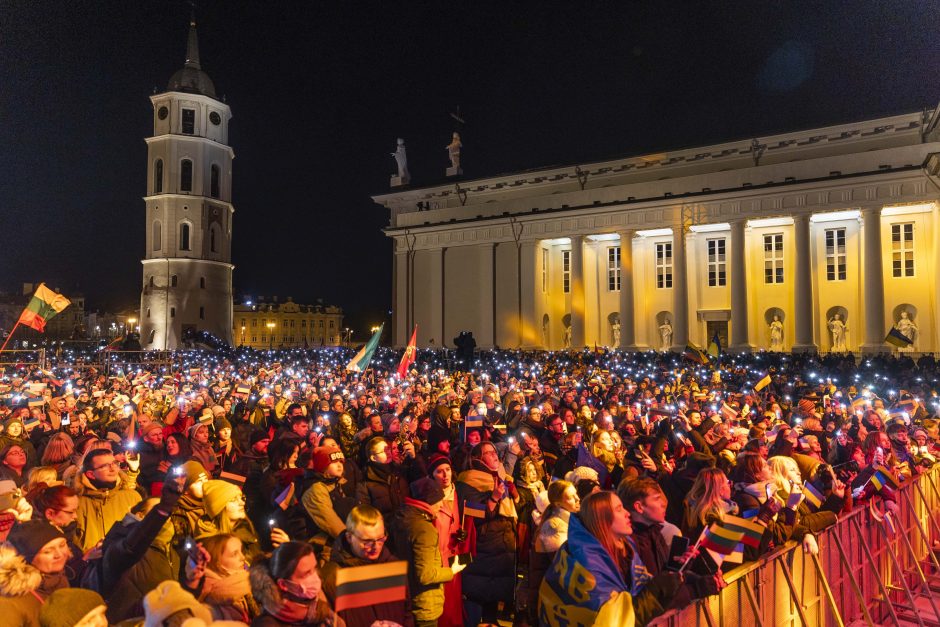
x,y
584,587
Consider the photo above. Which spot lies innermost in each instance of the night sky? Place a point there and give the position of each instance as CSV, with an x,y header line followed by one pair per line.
x,y
319,91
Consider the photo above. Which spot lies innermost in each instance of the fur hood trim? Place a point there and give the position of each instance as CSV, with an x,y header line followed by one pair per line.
x,y
16,576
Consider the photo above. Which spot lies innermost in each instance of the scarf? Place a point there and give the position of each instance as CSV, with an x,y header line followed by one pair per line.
x,y
482,481
232,590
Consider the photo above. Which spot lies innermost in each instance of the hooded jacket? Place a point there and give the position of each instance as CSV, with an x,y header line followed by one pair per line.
x,y
22,590
415,540
99,509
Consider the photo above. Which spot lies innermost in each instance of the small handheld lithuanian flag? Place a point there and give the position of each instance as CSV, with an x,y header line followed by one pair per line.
x,y
362,586
752,531
722,540
44,306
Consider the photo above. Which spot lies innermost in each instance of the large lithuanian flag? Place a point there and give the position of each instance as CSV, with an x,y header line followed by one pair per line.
x,y
44,305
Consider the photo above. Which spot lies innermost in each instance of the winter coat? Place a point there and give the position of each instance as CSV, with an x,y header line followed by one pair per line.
x,y
99,509
414,539
553,532
23,590
133,564
491,577
326,505
342,557
229,597
384,488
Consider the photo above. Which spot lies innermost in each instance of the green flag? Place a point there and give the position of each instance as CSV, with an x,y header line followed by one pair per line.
x,y
361,361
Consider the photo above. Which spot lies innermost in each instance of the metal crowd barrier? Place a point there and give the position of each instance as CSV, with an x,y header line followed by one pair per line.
x,y
868,572
14,358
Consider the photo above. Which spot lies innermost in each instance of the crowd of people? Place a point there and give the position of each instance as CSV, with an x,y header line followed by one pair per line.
x,y
539,488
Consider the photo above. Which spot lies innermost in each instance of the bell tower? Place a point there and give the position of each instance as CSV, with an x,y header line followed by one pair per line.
x,y
187,270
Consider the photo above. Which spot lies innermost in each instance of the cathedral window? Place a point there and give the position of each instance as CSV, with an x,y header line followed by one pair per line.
x,y
214,176
566,271
717,268
902,250
613,269
174,281
185,236
189,121
157,235
664,265
172,312
835,254
202,313
158,176
202,282
186,176
773,258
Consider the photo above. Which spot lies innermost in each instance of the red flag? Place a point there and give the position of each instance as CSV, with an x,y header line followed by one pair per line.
x,y
411,353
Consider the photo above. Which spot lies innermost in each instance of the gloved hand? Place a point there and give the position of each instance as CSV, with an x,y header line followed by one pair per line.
x,y
460,536
173,489
767,510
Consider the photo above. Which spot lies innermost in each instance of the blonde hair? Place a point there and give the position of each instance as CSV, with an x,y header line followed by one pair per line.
x,y
363,516
704,500
42,474
780,466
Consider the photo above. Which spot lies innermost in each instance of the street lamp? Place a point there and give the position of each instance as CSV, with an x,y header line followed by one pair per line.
x,y
243,335
374,328
271,326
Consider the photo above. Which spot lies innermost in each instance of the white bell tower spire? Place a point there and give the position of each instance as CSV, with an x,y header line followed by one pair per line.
x,y
187,270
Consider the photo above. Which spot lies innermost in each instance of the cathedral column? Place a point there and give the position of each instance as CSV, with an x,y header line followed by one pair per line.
x,y
739,314
874,282
577,292
400,302
487,329
802,288
627,318
529,328
680,292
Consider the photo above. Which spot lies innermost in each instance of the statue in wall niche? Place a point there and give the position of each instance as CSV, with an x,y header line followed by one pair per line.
x,y
568,337
776,334
545,334
907,328
401,158
665,335
453,150
838,329
615,331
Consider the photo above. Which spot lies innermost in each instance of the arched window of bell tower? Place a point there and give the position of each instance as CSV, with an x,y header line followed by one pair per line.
x,y
214,237
158,176
214,177
157,235
186,175
185,236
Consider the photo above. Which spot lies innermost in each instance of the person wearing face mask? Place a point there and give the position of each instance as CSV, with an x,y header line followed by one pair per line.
x,y
137,554
26,583
101,500
288,589
364,543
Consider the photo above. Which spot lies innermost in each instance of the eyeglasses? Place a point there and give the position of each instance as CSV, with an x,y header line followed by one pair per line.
x,y
108,465
371,543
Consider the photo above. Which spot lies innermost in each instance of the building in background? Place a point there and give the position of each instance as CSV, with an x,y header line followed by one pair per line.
x,y
187,270
270,324
821,239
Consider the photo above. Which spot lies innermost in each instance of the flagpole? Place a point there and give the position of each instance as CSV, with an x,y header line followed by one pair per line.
x,y
695,546
10,335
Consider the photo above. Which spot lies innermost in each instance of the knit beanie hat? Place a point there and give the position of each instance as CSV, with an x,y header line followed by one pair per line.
x,y
257,435
191,470
216,494
29,537
437,460
194,428
427,491
167,599
153,426
67,606
223,423
326,455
